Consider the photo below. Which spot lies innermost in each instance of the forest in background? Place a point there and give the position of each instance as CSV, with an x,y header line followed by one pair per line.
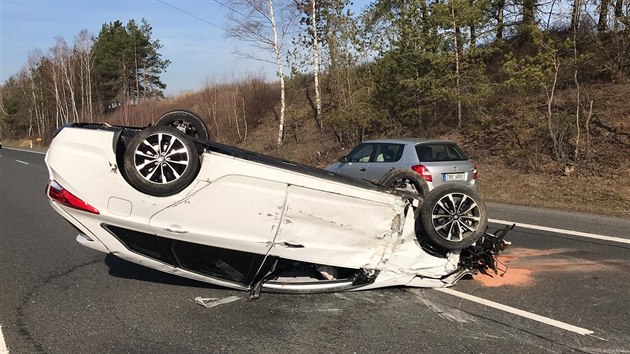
x,y
543,85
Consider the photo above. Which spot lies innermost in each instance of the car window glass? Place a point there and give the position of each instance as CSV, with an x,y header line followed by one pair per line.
x,y
231,265
361,153
388,152
440,152
399,153
457,153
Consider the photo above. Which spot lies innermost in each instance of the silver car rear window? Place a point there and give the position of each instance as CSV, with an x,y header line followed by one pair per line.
x,y
433,152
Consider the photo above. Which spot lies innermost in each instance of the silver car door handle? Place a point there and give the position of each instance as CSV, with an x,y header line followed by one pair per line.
x,y
176,231
290,245
362,169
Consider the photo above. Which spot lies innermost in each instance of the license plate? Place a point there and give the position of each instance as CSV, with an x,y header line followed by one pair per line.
x,y
448,177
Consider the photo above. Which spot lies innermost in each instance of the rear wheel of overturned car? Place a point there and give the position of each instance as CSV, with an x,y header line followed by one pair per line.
x,y
406,181
453,216
161,161
185,121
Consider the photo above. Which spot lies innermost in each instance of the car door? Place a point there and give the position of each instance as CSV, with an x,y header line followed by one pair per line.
x,y
322,227
357,162
387,157
231,223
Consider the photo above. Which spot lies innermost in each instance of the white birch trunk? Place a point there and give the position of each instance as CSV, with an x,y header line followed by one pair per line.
x,y
318,100
238,129
89,82
244,119
66,68
82,85
276,49
58,116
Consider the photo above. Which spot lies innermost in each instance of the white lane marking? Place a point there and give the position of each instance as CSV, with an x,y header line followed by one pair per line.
x,y
20,161
24,150
3,344
515,311
562,231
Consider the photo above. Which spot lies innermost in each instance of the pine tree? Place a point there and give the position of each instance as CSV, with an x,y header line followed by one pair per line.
x,y
127,64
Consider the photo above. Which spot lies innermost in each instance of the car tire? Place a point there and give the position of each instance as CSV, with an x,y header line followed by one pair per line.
x,y
452,216
406,181
160,161
185,121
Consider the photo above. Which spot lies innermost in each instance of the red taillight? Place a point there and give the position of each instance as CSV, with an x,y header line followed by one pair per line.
x,y
57,193
423,171
474,170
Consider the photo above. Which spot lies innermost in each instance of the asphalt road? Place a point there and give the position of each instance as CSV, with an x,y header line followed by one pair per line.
x,y
57,296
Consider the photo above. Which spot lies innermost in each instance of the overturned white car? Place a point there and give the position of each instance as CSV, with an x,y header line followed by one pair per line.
x,y
167,198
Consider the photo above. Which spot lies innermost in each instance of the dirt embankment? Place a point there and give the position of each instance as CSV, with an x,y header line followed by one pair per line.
x,y
600,184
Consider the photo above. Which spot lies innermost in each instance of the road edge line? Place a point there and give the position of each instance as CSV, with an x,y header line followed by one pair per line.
x,y
562,231
24,150
3,344
518,312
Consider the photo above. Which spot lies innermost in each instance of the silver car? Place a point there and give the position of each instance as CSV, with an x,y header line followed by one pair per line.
x,y
415,165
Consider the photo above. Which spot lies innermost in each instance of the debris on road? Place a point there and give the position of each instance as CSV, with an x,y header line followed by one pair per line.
x,y
213,301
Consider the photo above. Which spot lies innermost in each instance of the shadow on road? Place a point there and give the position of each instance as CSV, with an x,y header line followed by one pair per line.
x,y
121,268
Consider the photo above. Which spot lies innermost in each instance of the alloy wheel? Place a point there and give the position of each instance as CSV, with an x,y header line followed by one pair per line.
x,y
456,216
161,158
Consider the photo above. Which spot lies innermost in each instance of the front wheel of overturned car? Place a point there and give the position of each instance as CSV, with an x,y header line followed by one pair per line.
x,y
185,121
161,161
453,216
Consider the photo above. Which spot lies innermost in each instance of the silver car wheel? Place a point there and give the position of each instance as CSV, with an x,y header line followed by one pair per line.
x,y
161,158
456,216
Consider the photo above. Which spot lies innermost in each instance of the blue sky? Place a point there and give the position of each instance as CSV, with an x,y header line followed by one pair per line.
x,y
199,52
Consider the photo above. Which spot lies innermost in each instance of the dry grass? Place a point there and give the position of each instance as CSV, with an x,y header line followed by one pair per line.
x,y
608,194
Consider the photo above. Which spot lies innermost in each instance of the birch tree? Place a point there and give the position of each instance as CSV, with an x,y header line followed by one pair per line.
x,y
83,49
25,82
265,24
61,116
326,46
316,58
67,69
